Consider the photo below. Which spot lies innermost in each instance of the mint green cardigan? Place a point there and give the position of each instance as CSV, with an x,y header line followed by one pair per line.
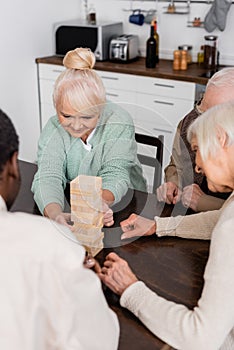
x,y
113,156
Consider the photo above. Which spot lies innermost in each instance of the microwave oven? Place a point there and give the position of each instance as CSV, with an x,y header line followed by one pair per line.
x,y
72,34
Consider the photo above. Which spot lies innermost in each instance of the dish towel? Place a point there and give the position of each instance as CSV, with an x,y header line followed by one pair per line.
x,y
216,17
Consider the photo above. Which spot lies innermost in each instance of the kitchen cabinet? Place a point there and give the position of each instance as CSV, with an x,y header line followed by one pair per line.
x,y
161,104
47,74
156,105
120,89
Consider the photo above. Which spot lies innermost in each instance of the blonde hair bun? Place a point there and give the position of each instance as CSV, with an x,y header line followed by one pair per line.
x,y
80,58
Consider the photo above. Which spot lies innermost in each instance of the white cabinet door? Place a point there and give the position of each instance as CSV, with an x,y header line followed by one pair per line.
x,y
162,110
126,99
166,87
118,81
49,71
146,128
120,88
47,75
47,111
46,90
160,118
161,104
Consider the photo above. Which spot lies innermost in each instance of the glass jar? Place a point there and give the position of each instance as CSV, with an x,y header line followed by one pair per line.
x,y
188,49
210,52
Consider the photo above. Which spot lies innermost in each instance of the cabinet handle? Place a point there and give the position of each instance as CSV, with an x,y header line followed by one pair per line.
x,y
156,129
57,71
113,95
164,102
164,85
110,78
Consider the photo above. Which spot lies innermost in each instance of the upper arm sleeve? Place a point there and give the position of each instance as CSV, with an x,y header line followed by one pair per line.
x,y
207,202
174,169
119,160
49,181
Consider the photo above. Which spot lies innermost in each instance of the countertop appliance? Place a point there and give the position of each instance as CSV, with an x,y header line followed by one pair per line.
x,y
124,48
77,33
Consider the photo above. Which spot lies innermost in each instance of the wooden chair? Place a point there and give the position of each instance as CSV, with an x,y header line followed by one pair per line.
x,y
151,158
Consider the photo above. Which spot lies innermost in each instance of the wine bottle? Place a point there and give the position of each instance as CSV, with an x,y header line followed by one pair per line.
x,y
156,37
150,61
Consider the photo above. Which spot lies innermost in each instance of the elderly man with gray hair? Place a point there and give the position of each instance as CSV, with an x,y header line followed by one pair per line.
x,y
181,180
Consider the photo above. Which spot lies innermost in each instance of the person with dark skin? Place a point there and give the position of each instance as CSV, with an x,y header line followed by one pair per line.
x,y
47,295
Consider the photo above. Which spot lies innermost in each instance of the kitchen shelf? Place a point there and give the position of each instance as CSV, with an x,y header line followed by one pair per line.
x,y
191,25
174,8
176,13
209,2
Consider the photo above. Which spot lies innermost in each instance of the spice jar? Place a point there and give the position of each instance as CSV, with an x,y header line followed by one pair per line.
x,y
184,60
177,58
188,49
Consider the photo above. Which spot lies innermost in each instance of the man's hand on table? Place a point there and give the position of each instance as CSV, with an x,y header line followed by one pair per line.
x,y
169,193
116,274
136,226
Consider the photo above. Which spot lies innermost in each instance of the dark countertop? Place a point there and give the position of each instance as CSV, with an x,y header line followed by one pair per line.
x,y
195,73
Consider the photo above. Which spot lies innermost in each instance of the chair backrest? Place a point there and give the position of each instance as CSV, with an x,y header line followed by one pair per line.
x,y
151,159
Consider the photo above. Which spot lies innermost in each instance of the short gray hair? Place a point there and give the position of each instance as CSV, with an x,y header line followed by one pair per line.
x,y
224,77
210,125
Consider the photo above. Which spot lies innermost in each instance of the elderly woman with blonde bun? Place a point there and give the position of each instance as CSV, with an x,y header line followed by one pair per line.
x,y
88,136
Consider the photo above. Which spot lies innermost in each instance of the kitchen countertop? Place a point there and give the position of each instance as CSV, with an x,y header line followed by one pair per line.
x,y
195,73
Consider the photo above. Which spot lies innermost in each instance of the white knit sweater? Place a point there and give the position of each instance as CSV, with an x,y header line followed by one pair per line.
x,y
210,325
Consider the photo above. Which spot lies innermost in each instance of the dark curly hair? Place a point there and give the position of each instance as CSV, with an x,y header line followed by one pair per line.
x,y
9,140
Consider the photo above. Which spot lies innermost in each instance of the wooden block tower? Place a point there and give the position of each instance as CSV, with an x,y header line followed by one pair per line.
x,y
86,212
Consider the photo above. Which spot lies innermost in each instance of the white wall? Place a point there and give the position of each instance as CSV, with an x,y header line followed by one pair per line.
x,y
172,28
26,33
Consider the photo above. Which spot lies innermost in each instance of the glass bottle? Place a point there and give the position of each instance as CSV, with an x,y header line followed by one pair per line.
x,y
156,37
150,61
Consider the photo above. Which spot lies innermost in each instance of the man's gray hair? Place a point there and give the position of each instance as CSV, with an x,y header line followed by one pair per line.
x,y
224,77
210,126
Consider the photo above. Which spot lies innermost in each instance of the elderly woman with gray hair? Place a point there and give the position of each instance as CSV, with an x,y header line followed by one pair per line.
x,y
210,325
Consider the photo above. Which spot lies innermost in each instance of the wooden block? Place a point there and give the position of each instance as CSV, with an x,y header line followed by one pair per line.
x,y
86,211
87,184
90,231
95,241
86,203
88,218
93,250
92,247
